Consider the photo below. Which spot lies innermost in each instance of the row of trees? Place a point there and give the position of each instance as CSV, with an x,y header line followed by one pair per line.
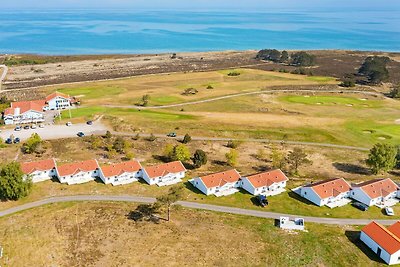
x,y
297,59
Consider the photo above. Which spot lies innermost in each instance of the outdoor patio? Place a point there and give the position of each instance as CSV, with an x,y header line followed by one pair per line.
x,y
169,182
226,192
339,203
388,203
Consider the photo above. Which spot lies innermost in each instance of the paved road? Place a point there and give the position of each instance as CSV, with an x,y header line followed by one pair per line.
x,y
187,204
246,94
51,132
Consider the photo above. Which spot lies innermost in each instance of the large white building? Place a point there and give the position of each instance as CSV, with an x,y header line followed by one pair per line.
x,y
122,173
332,193
78,173
39,171
24,112
164,174
379,192
267,183
57,101
384,242
220,184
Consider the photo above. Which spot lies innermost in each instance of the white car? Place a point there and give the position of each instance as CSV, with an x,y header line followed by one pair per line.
x,y
33,126
41,125
389,211
69,123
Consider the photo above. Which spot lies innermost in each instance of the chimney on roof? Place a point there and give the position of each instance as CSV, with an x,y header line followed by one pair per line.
x,y
17,111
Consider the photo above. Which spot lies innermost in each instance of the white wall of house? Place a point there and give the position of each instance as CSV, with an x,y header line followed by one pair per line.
x,y
124,178
385,256
246,185
59,103
163,179
359,195
78,178
309,193
27,117
40,176
198,183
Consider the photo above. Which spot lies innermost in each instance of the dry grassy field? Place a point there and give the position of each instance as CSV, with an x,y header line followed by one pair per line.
x,y
101,234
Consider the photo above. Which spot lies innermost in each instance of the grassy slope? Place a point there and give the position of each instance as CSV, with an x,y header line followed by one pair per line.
x,y
100,234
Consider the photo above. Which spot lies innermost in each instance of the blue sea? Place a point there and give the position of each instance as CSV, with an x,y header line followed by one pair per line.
x,y
112,32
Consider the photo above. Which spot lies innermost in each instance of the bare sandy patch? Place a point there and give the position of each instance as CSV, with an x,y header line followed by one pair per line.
x,y
397,121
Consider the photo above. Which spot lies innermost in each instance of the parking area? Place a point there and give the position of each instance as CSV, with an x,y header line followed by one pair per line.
x,y
56,131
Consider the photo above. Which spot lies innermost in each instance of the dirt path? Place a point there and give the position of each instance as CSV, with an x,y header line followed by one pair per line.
x,y
192,205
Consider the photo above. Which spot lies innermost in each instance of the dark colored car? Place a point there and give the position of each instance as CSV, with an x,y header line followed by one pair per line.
x,y
81,134
26,127
171,135
9,141
17,140
262,200
360,206
89,122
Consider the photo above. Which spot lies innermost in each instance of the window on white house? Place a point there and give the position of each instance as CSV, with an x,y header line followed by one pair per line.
x,y
305,193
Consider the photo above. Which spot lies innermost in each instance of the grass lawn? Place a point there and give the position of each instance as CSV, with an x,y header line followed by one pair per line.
x,y
101,234
325,100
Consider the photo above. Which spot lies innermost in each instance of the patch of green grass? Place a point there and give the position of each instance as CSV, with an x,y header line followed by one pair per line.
x,y
164,100
373,132
320,79
93,92
330,101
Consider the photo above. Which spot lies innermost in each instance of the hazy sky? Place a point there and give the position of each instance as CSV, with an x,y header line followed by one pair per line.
x,y
204,4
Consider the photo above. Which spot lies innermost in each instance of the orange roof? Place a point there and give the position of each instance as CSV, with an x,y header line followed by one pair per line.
x,y
395,229
56,94
267,178
221,178
330,188
163,169
118,169
24,106
73,168
43,165
383,237
378,187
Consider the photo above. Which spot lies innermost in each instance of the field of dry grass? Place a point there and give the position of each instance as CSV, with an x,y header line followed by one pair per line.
x,y
101,234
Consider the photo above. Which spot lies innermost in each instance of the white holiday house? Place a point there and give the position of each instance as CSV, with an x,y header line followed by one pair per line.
x,y
122,173
378,192
56,101
384,242
39,171
78,173
332,193
24,112
267,183
164,174
220,184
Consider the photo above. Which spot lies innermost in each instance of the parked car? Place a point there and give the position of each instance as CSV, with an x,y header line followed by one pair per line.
x,y
360,206
18,128
26,127
171,135
33,126
89,122
69,123
262,200
41,125
81,134
389,211
17,140
9,141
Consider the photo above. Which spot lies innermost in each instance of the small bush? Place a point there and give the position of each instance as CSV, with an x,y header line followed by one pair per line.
x,y
233,73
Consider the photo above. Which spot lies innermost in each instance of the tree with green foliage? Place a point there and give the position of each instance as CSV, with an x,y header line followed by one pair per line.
x,y
284,57
233,143
398,157
348,83
168,151
145,100
180,153
13,184
302,59
186,139
199,158
174,194
278,158
382,157
108,135
232,157
296,158
119,144
32,145
395,92
95,142
374,68
269,54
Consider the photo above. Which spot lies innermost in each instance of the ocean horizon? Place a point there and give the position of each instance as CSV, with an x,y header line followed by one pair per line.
x,y
67,32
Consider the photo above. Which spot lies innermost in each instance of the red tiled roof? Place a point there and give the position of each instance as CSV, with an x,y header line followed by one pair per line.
x,y
163,169
43,165
73,168
383,237
267,178
118,169
24,106
378,187
56,94
221,178
330,188
395,229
